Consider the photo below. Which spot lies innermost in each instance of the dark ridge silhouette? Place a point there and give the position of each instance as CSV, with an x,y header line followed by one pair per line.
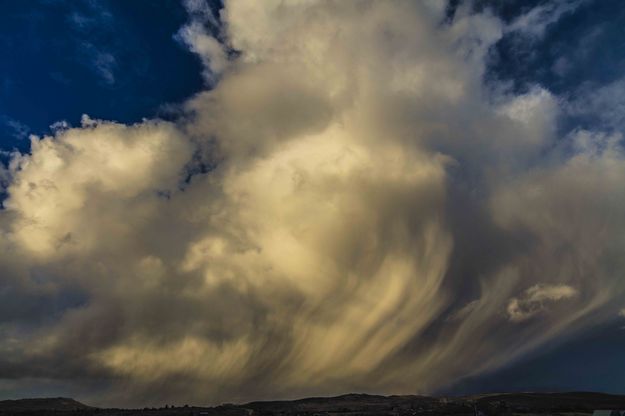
x,y
54,404
508,404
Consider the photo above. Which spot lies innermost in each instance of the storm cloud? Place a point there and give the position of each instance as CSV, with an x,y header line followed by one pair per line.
x,y
349,207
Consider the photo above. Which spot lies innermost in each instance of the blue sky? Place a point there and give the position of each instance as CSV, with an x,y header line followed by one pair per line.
x,y
125,61
111,60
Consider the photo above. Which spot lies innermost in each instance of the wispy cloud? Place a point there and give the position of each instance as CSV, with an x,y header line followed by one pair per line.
x,y
103,63
20,130
91,23
200,36
536,21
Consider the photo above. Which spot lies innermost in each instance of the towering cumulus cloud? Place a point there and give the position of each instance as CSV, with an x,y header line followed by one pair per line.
x,y
348,208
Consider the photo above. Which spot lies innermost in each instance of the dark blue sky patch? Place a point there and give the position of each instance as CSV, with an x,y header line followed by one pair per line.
x,y
586,45
580,58
591,362
111,60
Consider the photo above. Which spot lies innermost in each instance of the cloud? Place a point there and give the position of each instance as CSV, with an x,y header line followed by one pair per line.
x,y
20,130
604,104
103,63
92,22
199,36
349,208
78,170
533,300
537,19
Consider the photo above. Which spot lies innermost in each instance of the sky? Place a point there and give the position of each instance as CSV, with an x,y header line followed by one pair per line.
x,y
208,202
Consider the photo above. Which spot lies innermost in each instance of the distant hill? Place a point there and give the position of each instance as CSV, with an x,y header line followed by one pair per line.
x,y
550,402
504,404
49,404
573,403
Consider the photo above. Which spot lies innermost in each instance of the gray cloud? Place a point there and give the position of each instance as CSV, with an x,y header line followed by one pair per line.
x,y
371,213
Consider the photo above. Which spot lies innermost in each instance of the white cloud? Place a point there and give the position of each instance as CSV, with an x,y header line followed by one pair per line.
x,y
535,300
87,171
